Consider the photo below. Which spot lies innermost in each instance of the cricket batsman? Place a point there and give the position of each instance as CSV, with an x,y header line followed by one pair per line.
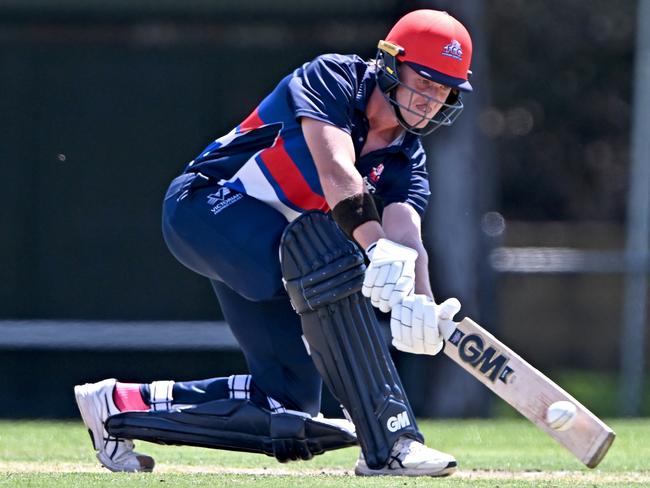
x,y
277,215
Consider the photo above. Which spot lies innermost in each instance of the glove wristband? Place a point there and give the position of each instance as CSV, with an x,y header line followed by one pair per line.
x,y
355,210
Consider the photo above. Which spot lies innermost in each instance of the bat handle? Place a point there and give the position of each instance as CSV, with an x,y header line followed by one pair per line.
x,y
447,328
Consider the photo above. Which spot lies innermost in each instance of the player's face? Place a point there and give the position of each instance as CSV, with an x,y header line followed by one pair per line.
x,y
421,99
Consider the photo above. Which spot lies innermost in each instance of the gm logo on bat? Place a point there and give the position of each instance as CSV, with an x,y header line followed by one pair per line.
x,y
489,361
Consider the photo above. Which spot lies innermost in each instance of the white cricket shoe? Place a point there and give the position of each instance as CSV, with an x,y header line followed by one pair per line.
x,y
95,401
410,458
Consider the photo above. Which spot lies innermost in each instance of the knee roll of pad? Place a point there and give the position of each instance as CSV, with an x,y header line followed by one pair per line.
x,y
335,270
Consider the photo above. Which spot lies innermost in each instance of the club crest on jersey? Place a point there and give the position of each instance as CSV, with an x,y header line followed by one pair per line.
x,y
373,177
222,198
376,173
453,50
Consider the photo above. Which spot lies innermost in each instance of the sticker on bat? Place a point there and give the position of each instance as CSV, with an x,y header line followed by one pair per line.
x,y
489,361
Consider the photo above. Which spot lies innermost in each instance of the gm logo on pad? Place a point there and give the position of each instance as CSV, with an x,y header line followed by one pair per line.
x,y
398,422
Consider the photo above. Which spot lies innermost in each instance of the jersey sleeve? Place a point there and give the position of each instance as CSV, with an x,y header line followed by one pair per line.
x,y
413,187
324,89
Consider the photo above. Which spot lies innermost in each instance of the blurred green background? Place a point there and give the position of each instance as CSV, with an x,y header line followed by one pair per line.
x,y
103,103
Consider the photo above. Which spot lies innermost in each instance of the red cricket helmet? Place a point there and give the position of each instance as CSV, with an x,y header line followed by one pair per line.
x,y
435,45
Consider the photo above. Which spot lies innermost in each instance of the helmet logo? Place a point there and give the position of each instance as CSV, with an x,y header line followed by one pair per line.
x,y
453,50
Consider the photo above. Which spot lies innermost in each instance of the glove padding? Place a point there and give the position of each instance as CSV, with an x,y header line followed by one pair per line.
x,y
414,323
390,276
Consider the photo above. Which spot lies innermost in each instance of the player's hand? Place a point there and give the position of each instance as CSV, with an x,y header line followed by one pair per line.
x,y
390,276
414,323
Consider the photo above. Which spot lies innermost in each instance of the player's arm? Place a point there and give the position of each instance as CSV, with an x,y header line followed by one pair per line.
x,y
415,321
403,224
333,153
390,274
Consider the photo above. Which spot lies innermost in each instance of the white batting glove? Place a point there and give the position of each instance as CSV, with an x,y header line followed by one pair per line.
x,y
390,276
414,323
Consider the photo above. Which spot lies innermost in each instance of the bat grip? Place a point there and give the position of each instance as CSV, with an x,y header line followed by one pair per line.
x,y
447,328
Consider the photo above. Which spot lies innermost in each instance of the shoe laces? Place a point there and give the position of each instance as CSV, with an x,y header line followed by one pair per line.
x,y
402,448
121,446
406,445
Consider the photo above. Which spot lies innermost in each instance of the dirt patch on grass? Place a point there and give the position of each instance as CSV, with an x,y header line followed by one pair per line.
x,y
577,476
36,467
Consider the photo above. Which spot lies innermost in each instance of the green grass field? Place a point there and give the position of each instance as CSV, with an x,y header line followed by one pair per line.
x,y
503,453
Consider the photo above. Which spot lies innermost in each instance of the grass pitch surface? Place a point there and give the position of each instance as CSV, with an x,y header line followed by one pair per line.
x,y
503,453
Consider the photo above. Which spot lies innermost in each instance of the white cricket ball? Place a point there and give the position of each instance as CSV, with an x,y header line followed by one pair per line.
x,y
561,415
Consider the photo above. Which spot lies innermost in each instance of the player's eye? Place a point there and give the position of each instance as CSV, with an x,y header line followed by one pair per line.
x,y
424,84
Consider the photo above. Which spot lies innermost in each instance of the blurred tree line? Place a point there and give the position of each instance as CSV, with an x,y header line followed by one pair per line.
x,y
560,121
103,103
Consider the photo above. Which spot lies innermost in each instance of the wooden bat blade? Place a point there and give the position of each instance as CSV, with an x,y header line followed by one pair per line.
x,y
524,388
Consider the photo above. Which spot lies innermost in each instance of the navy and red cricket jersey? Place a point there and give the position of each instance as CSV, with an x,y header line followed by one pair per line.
x,y
266,155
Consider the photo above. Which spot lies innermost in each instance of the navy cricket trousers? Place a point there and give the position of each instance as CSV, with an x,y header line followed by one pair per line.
x,y
234,240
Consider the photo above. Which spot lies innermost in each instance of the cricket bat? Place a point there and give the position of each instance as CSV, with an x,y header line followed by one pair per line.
x,y
525,388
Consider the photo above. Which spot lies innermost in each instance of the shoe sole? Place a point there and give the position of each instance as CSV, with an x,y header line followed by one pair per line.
x,y
365,471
